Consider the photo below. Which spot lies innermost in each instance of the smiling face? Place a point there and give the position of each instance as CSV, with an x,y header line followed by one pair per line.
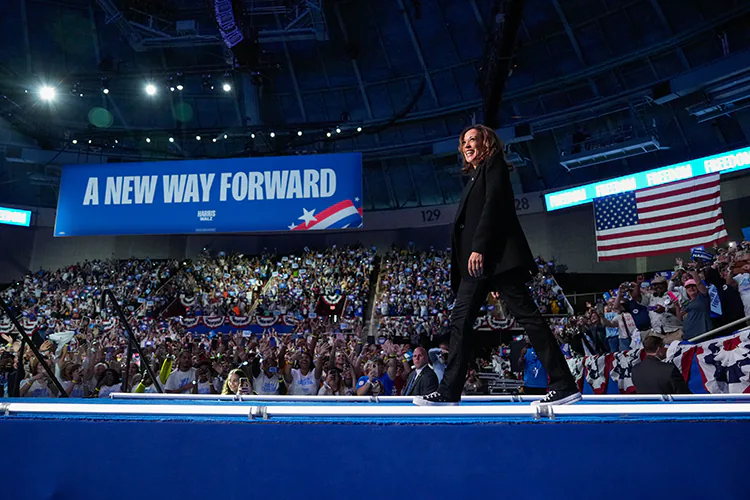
x,y
472,146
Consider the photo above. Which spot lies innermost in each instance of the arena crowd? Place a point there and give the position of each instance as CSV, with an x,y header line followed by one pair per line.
x,y
328,353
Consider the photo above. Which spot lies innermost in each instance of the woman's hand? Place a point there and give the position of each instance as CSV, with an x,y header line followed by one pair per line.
x,y
476,264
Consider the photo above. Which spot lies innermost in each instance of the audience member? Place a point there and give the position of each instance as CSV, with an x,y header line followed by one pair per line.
x,y
653,375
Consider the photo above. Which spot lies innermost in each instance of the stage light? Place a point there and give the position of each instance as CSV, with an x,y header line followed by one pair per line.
x,y
226,136
299,133
171,139
75,141
214,139
47,93
148,140
180,87
226,83
105,91
171,89
359,129
197,138
151,89
117,142
328,134
105,85
252,136
89,141
272,134
178,80
338,130
80,95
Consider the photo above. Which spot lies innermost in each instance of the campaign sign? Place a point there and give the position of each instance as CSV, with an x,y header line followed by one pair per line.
x,y
296,193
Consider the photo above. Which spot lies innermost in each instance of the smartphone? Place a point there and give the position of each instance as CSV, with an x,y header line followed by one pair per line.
x,y
244,385
273,369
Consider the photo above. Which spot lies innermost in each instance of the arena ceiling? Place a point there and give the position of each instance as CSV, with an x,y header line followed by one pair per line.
x,y
390,78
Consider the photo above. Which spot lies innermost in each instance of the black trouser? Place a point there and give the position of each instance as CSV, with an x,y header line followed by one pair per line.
x,y
513,291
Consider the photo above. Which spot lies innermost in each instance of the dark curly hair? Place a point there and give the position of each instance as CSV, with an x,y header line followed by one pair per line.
x,y
489,139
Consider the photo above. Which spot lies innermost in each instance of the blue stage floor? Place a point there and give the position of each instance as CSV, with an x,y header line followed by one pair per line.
x,y
601,448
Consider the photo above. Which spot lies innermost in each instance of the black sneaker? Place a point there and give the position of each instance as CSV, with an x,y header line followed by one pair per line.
x,y
434,399
561,397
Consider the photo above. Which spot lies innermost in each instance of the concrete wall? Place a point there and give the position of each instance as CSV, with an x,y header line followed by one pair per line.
x,y
566,235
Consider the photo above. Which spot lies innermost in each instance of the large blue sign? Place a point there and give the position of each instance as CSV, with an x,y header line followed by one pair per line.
x,y
295,193
731,161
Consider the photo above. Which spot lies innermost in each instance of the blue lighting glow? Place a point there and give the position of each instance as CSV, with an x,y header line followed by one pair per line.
x,y
15,217
731,161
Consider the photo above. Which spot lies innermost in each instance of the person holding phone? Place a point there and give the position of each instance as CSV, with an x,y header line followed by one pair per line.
x,y
204,379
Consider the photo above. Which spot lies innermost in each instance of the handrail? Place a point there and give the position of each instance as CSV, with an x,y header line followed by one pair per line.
x,y
26,339
711,333
132,341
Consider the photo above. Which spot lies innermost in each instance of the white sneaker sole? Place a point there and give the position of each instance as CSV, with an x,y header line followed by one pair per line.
x,y
573,398
420,401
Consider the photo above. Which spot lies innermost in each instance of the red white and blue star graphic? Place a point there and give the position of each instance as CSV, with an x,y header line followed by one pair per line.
x,y
346,214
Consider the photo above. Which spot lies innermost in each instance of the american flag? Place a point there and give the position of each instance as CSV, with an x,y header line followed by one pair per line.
x,y
659,220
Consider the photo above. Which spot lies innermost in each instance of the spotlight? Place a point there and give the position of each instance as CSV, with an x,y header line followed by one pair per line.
x,y
47,93
197,138
252,136
151,89
89,141
117,142
171,139
178,80
105,91
226,83
214,139
359,129
148,140
180,87
80,95
226,136
338,130
299,133
272,134
171,89
328,134
105,85
75,141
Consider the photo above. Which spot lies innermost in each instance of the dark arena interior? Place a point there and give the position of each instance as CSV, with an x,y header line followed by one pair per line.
x,y
533,208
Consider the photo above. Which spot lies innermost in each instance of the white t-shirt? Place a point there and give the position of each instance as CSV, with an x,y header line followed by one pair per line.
x,y
263,385
303,385
665,320
204,387
106,390
743,283
178,379
77,389
327,391
37,389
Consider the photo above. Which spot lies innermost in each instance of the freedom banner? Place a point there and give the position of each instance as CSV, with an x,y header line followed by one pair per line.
x,y
299,193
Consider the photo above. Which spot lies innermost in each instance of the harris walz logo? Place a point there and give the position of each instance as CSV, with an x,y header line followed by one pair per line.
x,y
206,215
